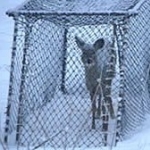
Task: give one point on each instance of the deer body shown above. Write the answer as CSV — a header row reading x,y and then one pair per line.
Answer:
x,y
98,73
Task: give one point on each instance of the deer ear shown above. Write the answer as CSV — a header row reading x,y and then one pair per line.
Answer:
x,y
79,42
99,44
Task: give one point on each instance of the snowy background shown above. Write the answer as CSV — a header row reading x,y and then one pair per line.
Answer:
x,y
140,141
6,36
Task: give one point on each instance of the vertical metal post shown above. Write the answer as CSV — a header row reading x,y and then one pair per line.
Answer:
x,y
10,92
23,78
108,105
121,31
105,119
63,88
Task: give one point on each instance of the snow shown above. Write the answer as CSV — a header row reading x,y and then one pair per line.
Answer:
x,y
6,35
140,141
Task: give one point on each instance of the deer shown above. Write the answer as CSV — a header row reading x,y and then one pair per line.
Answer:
x,y
99,64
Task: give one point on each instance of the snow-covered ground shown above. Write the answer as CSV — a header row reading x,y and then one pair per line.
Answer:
x,y
140,141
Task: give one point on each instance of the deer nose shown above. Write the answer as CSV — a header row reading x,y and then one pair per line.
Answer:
x,y
89,60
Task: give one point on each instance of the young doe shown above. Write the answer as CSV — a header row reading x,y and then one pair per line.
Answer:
x,y
99,62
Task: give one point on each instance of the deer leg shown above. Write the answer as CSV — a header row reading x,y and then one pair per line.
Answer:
x,y
110,108
99,107
93,111
100,98
108,99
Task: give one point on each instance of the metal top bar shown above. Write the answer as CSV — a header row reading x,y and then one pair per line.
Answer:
x,y
115,13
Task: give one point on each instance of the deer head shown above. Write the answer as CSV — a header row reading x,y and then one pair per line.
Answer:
x,y
89,51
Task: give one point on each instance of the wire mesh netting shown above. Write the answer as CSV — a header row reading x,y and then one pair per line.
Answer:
x,y
78,5
137,69
50,100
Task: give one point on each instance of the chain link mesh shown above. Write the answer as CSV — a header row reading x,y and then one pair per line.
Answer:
x,y
78,5
49,103
52,99
136,85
